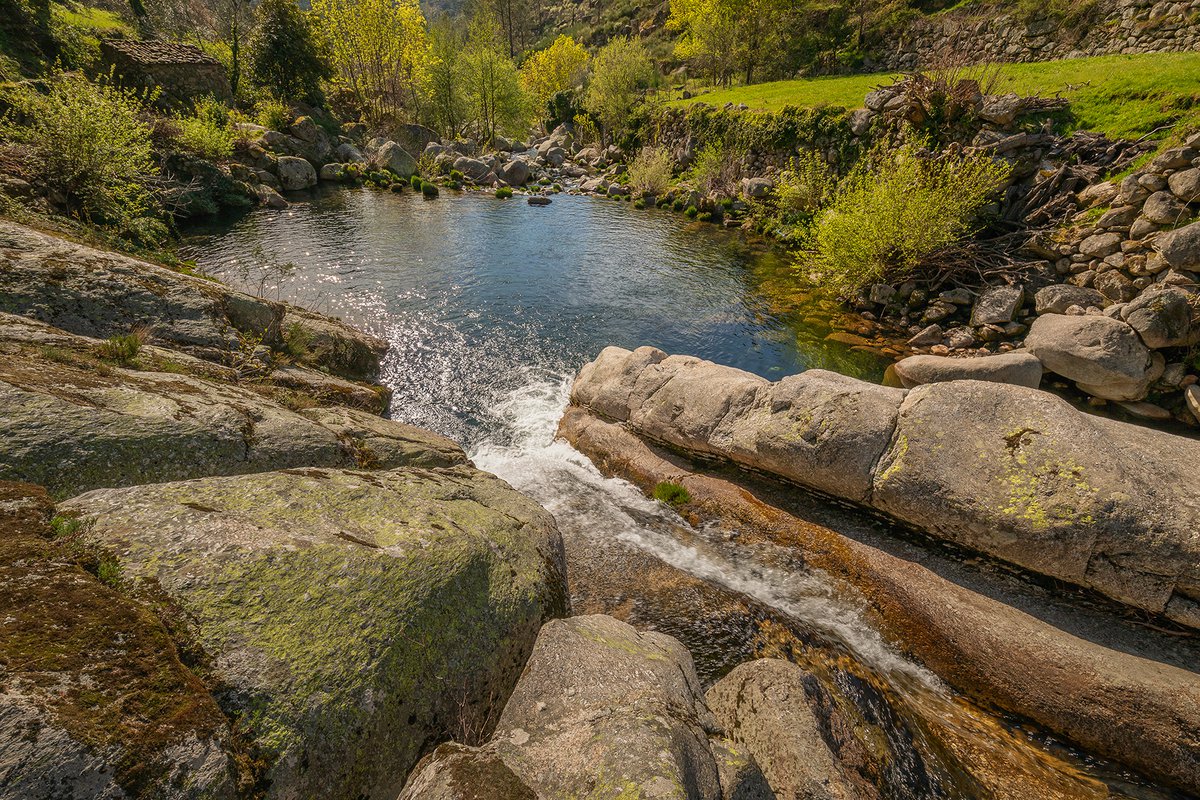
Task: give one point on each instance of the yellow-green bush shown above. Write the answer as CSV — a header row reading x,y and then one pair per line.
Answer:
x,y
207,133
803,187
650,170
895,211
88,142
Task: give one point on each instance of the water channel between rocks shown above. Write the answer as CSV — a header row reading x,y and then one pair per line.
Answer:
x,y
492,306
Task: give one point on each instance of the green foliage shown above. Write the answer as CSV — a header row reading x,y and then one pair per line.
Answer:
x,y
504,193
677,204
895,211
77,31
650,170
429,189
716,168
87,141
415,182
122,349
706,216
297,342
273,114
286,56
621,73
493,85
457,176
207,132
639,204
554,71
672,494
803,187
691,212
64,527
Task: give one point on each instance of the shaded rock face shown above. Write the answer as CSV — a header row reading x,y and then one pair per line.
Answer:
x,y
74,422
1181,247
602,710
97,293
764,708
395,159
94,700
1162,316
1103,355
347,617
1000,469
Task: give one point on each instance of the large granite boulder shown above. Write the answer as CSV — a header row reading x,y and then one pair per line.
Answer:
x,y
817,428
765,710
1056,299
1162,316
1022,476
1103,355
75,420
601,710
345,618
296,174
99,293
1020,368
94,702
395,159
1181,247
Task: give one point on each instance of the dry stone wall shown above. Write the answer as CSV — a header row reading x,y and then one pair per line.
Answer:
x,y
1113,26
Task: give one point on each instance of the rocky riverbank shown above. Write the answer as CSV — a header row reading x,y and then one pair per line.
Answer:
x,y
996,485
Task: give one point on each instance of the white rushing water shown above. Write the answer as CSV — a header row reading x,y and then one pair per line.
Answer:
x,y
522,449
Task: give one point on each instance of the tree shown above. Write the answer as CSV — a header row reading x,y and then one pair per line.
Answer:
x,y
621,73
493,85
285,55
724,36
447,108
559,68
379,50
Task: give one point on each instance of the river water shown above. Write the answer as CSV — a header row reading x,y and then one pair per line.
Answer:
x,y
492,306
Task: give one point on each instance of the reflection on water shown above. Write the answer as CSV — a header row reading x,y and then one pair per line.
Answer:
x,y
468,287
490,307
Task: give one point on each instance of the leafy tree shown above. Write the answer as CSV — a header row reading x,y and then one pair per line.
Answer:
x,y
447,107
621,73
380,52
559,68
493,86
285,56
724,36
88,142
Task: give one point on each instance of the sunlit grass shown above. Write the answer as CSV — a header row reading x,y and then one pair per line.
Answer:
x,y
1120,95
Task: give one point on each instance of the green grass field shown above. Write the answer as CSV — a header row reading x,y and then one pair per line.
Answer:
x,y
1126,96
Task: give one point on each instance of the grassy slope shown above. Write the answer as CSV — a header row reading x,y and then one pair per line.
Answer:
x,y
1118,95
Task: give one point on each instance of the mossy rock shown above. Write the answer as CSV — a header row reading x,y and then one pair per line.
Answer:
x,y
350,617
95,700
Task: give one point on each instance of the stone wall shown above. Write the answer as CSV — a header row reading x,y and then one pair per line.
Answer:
x,y
182,72
1114,26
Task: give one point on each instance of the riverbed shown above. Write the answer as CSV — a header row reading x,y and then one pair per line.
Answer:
x,y
491,307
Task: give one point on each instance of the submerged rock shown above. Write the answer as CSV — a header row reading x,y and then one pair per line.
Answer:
x,y
347,616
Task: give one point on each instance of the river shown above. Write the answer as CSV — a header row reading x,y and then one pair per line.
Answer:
x,y
492,306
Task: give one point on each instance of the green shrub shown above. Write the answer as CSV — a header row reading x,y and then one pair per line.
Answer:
x,y
726,203
429,189
677,204
650,170
286,55
297,342
692,212
716,169
457,176
415,182
556,187
639,204
705,216
672,494
504,192
64,527
803,187
273,114
122,349
87,141
895,211
207,133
